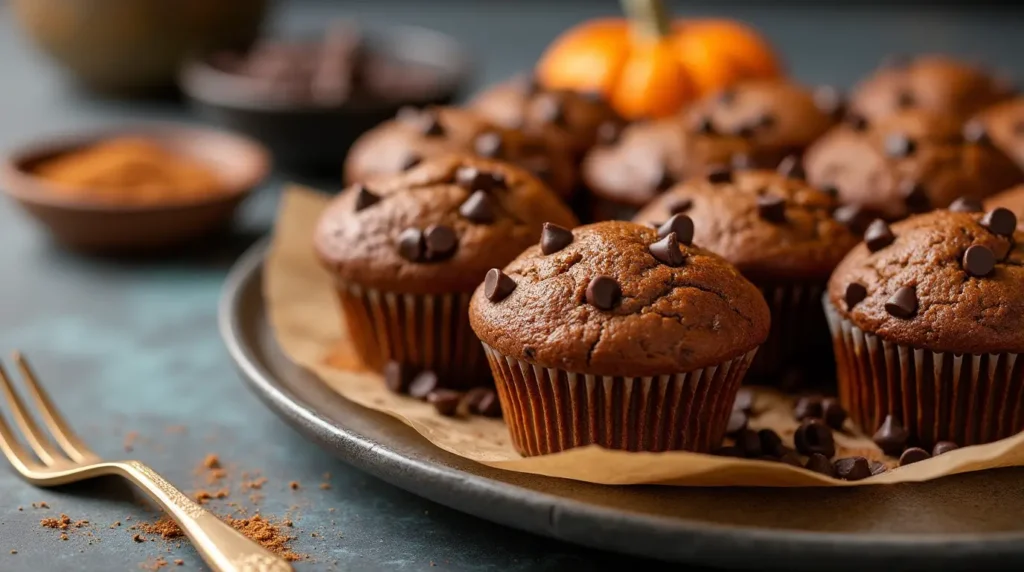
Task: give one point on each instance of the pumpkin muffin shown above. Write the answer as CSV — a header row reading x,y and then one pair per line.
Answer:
x,y
1004,122
907,163
407,251
618,335
753,124
933,83
397,145
927,320
781,235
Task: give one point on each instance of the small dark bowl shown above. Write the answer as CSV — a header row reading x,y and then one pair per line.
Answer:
x,y
103,227
307,138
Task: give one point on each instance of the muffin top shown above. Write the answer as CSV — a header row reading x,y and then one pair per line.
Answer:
x,y
395,146
771,225
754,124
1012,199
1004,122
567,118
948,280
614,298
933,83
908,163
436,228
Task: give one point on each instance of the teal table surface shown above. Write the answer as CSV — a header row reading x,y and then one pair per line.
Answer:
x,y
131,352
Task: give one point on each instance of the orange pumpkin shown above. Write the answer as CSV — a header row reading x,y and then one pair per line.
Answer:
x,y
647,66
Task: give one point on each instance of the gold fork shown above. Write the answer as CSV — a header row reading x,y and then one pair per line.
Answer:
x,y
222,547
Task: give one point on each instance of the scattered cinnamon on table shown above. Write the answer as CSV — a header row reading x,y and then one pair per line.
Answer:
x,y
129,170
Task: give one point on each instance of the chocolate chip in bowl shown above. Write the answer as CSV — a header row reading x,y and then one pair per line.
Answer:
x,y
308,100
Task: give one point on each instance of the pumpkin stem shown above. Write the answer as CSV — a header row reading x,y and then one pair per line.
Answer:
x,y
649,18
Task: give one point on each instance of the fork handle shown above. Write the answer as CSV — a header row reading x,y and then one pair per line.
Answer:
x,y
221,546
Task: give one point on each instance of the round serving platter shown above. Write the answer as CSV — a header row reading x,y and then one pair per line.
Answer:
x,y
968,522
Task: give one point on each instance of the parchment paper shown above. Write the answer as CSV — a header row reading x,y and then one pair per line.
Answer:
x,y
306,320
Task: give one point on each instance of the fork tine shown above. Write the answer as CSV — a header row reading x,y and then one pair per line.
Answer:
x,y
46,452
54,421
13,450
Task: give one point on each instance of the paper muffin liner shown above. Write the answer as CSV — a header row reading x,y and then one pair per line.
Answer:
x,y
549,410
798,324
938,396
428,332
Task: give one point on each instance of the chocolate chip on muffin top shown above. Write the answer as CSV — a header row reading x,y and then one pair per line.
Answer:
x,y
909,162
436,228
948,280
615,301
768,224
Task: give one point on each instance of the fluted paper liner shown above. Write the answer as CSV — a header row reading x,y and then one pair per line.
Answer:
x,y
797,324
303,308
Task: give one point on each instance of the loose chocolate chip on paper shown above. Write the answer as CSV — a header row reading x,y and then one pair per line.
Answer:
x,y
488,144
1000,221
855,294
966,205
877,467
397,376
719,175
554,238
364,197
478,208
813,436
411,161
424,383
944,447
771,209
790,167
878,235
604,293
790,458
902,304
445,401
737,422
899,145
666,251
681,225
729,451
979,261
410,244
750,443
440,241
891,437
853,468
913,455
833,413
771,443
808,407
820,464
498,285
679,205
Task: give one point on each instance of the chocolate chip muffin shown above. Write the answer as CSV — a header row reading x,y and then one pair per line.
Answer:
x,y
618,335
907,163
1012,199
1004,122
934,83
754,124
566,118
398,145
927,318
407,251
779,232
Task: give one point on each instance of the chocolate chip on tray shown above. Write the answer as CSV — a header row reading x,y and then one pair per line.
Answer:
x,y
891,437
807,408
771,443
445,401
424,383
728,451
877,467
750,443
913,455
813,436
790,458
820,464
833,413
397,376
852,468
944,447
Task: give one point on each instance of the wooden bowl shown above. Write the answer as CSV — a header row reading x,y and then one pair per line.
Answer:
x,y
96,226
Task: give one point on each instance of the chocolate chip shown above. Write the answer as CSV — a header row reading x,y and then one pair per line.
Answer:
x,y
857,122
878,235
737,422
365,197
478,208
853,217
550,109
979,261
820,464
833,413
718,175
489,405
771,209
744,400
771,443
915,197
905,99
855,294
411,161
877,468
678,205
681,225
766,121
663,180
397,376
813,436
608,133
704,125
431,124
1000,221
498,285
807,408
445,401
913,455
944,447
730,451
440,241
424,383
666,251
902,304
604,293
828,100
966,205
899,145
750,443
853,468
554,238
410,245
741,162
891,437
790,167
473,179
488,144
790,458
830,190
974,132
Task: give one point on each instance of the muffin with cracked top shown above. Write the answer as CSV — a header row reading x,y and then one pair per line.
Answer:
x,y
618,335
406,252
781,234
754,124
927,318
